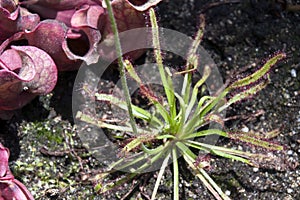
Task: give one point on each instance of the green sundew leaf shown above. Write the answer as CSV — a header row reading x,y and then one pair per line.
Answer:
x,y
186,87
252,139
198,119
88,119
190,125
215,102
221,153
166,80
137,111
206,180
163,112
201,110
204,100
130,160
163,153
243,95
159,176
209,147
193,99
171,95
105,187
259,73
138,141
191,65
214,184
185,150
151,151
192,61
230,156
181,115
120,137
271,134
215,118
135,76
175,175
132,72
197,40
207,132
199,147
165,136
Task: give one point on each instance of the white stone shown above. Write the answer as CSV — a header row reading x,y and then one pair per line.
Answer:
x,y
255,169
245,129
293,73
227,192
289,190
290,152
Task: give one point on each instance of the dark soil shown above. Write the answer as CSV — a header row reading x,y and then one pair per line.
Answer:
x,y
46,154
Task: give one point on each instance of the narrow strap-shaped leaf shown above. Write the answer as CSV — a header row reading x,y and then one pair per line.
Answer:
x,y
88,119
165,136
205,179
259,73
167,84
185,150
193,99
105,187
132,72
190,124
214,184
230,156
159,176
243,95
198,38
192,60
215,118
175,175
137,111
152,151
181,115
144,89
220,149
207,132
130,160
163,112
150,161
252,139
136,142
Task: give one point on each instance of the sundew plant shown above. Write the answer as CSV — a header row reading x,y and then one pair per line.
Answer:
x,y
178,122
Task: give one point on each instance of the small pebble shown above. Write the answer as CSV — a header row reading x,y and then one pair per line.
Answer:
x,y
255,169
289,190
229,22
293,73
256,179
290,152
227,192
245,129
286,95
